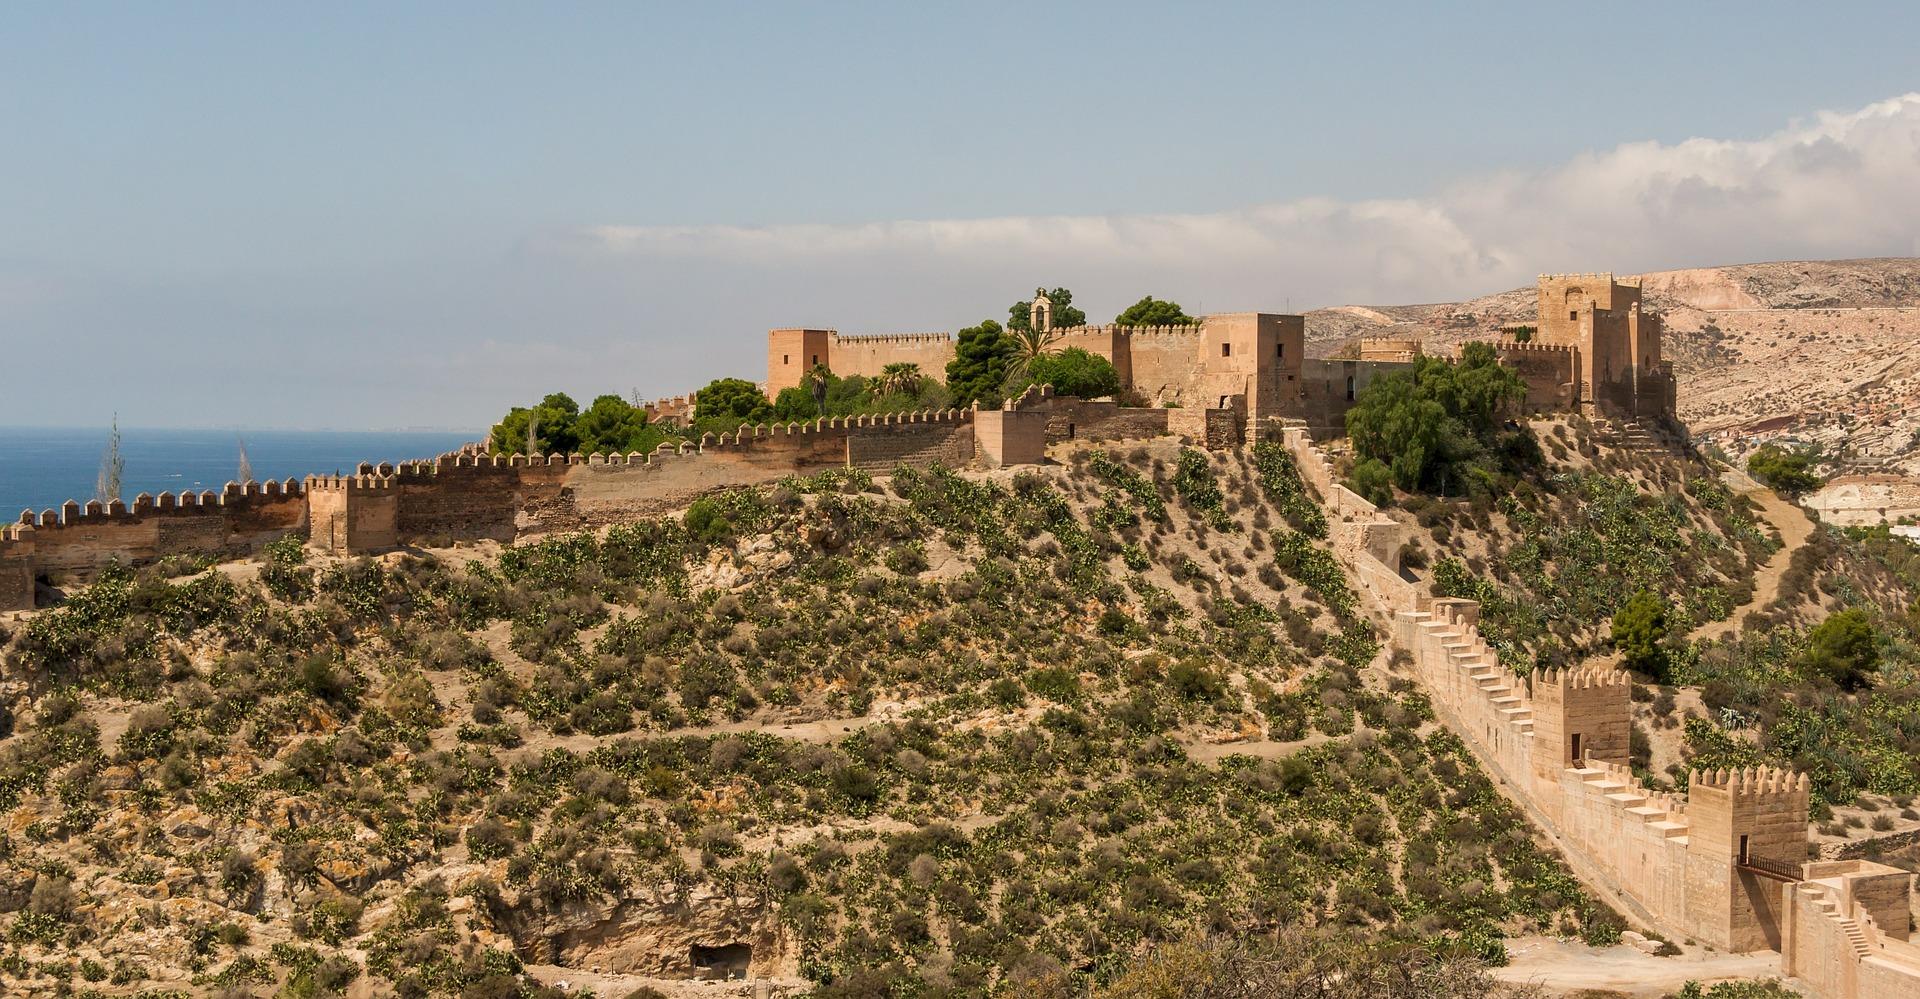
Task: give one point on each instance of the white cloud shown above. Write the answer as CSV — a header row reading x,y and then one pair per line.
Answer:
x,y
1840,185
456,337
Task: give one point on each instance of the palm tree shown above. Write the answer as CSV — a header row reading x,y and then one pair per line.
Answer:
x,y
817,378
1029,344
902,377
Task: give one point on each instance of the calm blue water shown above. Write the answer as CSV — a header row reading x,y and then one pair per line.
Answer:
x,y
44,467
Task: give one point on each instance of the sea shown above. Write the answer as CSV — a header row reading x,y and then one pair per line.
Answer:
x,y
42,467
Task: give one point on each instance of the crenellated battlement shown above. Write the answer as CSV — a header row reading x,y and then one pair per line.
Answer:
x,y
1580,678
365,482
1751,782
1530,347
73,514
1035,395
892,339
1186,331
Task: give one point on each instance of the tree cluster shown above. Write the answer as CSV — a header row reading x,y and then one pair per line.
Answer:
x,y
900,387
557,424
1150,311
1440,427
1019,314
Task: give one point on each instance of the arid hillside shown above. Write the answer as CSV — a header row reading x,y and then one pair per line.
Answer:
x,y
1053,732
1821,350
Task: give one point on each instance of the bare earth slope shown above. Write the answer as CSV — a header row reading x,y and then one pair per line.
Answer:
x,y
1823,350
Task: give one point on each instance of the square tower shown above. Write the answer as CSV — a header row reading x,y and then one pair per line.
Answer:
x,y
16,568
1580,714
1250,361
791,353
353,513
1741,822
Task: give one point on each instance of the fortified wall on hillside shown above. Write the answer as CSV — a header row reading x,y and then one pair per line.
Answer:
x,y
1221,381
1724,862
472,496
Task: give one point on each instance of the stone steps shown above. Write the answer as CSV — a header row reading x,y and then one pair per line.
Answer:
x,y
1669,829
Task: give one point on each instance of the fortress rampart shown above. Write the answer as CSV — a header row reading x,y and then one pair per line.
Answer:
x,y
1723,862
469,497
236,520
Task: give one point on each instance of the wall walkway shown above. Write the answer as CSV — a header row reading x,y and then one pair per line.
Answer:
x,y
1703,865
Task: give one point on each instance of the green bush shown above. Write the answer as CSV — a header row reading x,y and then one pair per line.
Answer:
x,y
1280,478
1373,481
1842,649
1075,372
1436,426
1640,631
1787,471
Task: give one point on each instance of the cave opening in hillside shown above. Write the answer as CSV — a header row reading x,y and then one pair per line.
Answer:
x,y
725,961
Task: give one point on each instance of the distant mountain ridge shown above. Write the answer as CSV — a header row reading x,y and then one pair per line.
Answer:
x,y
1822,351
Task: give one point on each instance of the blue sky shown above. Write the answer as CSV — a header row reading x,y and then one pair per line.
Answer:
x,y
415,215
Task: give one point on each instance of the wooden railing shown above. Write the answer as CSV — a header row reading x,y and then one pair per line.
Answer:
x,y
1776,868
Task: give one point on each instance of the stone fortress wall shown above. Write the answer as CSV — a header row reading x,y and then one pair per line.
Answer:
x,y
1219,381
1724,862
1593,350
462,497
80,538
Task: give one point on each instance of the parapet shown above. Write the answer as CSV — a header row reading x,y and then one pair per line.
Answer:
x,y
1530,347
1035,395
1580,678
893,338
75,514
1188,331
351,483
1751,781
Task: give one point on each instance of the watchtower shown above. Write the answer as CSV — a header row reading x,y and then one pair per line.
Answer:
x,y
1578,715
791,353
353,513
1747,833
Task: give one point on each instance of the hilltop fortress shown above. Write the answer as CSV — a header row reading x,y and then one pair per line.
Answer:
x,y
1724,862
1593,351
1221,381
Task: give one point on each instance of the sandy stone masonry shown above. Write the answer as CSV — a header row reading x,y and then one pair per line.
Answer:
x,y
471,496
1594,350
1724,863
1222,381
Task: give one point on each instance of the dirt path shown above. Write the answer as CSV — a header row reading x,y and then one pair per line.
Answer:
x,y
1569,965
1795,528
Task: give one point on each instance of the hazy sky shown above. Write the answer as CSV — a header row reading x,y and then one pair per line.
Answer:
x,y
381,215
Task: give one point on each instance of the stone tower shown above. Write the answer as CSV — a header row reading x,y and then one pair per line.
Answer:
x,y
1580,714
353,513
793,352
1751,818
1620,370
